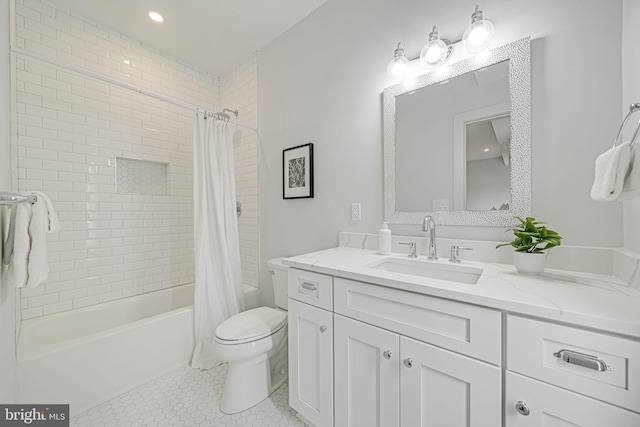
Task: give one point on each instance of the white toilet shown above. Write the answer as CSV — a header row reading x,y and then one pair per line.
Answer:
x,y
254,344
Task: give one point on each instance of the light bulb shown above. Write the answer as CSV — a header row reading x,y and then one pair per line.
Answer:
x,y
156,16
398,66
477,36
435,52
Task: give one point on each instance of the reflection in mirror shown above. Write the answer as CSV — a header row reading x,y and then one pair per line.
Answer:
x,y
432,129
457,143
487,164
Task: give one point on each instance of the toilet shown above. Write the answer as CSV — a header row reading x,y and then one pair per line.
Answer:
x,y
254,344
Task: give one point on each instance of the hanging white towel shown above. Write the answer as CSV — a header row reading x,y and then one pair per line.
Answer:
x,y
611,169
632,183
53,225
17,273
29,265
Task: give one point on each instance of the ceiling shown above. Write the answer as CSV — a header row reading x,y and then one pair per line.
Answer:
x,y
213,35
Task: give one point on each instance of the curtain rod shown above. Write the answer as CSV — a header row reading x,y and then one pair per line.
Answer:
x,y
123,85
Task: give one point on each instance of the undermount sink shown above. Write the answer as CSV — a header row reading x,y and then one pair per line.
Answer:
x,y
429,269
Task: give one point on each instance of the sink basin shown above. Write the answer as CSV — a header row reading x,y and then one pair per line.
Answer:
x,y
430,269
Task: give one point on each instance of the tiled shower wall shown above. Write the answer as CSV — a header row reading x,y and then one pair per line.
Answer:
x,y
70,130
239,90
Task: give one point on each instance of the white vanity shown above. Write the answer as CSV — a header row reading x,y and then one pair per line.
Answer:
x,y
393,346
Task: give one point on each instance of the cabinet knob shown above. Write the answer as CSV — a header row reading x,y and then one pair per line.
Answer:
x,y
387,354
323,328
522,408
408,362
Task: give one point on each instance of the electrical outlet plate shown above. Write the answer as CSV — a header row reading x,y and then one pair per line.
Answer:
x,y
356,212
440,205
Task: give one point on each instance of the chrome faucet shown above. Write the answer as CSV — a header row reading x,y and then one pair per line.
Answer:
x,y
430,225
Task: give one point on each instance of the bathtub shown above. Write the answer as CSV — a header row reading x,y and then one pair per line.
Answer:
x,y
87,356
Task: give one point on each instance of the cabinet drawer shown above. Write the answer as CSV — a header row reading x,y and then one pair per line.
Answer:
x,y
463,328
312,288
548,405
570,357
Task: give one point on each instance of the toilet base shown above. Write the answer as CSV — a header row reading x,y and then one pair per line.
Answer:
x,y
251,381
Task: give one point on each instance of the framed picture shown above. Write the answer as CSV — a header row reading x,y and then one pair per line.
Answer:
x,y
297,172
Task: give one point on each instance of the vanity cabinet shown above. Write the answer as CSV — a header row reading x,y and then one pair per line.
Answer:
x,y
311,346
386,379
365,355
556,372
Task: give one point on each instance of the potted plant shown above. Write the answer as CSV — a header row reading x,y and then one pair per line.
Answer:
x,y
531,241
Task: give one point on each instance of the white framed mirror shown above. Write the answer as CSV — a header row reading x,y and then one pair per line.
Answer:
x,y
457,142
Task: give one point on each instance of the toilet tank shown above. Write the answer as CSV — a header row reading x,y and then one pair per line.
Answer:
x,y
279,277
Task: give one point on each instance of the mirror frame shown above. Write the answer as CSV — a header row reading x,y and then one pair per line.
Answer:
x,y
519,57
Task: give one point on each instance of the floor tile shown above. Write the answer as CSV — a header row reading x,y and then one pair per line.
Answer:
x,y
187,397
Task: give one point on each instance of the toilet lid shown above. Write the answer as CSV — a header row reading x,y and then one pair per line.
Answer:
x,y
251,324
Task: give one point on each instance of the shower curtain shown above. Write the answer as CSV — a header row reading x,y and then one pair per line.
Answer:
x,y
218,291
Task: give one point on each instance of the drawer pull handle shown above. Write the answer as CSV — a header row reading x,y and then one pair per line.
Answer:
x,y
408,362
584,360
308,286
387,354
522,408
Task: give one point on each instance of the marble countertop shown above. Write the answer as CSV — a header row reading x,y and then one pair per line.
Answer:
x,y
588,300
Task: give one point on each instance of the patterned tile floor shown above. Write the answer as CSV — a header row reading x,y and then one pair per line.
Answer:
x,y
183,398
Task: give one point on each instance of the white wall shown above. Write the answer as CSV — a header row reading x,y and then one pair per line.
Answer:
x,y
321,82
7,295
630,94
71,127
239,91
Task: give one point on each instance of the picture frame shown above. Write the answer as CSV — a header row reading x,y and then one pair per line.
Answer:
x,y
297,172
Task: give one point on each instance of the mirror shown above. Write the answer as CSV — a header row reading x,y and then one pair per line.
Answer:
x,y
457,142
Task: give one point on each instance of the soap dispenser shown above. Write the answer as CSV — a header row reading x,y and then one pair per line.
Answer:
x,y
384,239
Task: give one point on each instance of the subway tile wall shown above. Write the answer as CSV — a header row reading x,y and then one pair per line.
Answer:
x,y
70,129
239,90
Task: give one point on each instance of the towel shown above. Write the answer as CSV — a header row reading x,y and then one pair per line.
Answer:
x,y
53,225
611,169
29,264
632,183
19,245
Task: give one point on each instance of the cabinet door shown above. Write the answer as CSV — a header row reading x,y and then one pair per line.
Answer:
x,y
366,375
311,363
531,403
441,388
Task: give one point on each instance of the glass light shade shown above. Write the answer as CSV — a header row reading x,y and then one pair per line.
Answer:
x,y
435,52
477,36
399,65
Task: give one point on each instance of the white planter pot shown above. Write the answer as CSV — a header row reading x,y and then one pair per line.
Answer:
x,y
529,263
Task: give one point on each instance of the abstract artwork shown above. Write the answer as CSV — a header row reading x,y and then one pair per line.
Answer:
x,y
297,172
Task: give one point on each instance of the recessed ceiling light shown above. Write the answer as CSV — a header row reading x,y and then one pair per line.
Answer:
x,y
156,16
485,150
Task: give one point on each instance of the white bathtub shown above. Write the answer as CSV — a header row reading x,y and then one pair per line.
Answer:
x,y
87,356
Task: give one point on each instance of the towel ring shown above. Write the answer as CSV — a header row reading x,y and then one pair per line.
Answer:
x,y
632,109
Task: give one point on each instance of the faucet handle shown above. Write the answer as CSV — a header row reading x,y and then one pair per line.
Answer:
x,y
455,256
412,248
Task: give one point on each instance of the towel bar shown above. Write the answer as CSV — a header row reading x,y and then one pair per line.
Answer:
x,y
632,109
7,198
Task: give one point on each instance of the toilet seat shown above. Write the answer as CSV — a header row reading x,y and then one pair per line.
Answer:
x,y
251,325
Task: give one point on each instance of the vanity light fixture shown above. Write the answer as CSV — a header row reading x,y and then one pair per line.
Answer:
x,y
477,36
155,16
436,52
398,66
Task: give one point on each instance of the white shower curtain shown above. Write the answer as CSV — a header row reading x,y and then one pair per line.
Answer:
x,y
218,278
